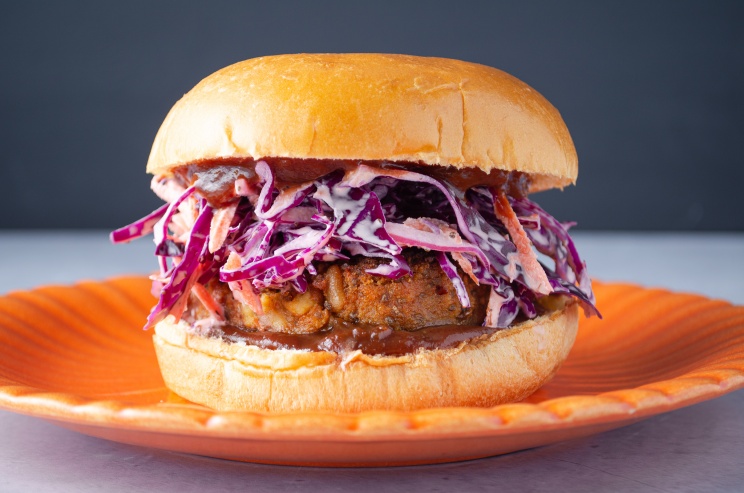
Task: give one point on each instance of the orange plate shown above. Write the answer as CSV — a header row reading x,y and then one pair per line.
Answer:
x,y
77,356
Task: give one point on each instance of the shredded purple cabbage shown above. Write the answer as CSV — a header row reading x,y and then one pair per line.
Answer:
x,y
551,238
138,228
186,272
279,235
451,272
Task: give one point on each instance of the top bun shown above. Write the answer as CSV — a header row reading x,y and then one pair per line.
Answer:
x,y
399,108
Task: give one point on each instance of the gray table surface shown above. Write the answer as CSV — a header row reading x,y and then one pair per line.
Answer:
x,y
699,448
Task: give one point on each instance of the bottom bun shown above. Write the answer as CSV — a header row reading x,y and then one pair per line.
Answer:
x,y
505,366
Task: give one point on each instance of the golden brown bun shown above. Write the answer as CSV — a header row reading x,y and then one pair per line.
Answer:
x,y
369,107
503,367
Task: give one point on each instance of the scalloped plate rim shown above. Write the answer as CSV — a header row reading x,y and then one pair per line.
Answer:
x,y
47,405
46,411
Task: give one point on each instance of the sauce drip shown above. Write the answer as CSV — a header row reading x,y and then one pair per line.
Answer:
x,y
214,179
371,340
217,183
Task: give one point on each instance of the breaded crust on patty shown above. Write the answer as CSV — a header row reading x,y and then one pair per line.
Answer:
x,y
345,291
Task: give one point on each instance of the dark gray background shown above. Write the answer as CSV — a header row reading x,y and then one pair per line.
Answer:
x,y
653,93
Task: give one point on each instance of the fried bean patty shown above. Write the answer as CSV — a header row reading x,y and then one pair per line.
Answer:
x,y
344,291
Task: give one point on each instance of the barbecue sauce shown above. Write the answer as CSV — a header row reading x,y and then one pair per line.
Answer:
x,y
343,337
215,179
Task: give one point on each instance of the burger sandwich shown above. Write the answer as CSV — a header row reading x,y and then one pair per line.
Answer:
x,y
353,232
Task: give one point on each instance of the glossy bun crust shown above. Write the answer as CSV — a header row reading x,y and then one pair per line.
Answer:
x,y
502,367
371,107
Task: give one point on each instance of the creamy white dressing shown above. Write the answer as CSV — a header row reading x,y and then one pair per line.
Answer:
x,y
495,302
348,213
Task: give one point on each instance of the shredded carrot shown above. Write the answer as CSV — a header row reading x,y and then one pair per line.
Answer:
x,y
180,306
220,226
242,290
534,274
206,299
